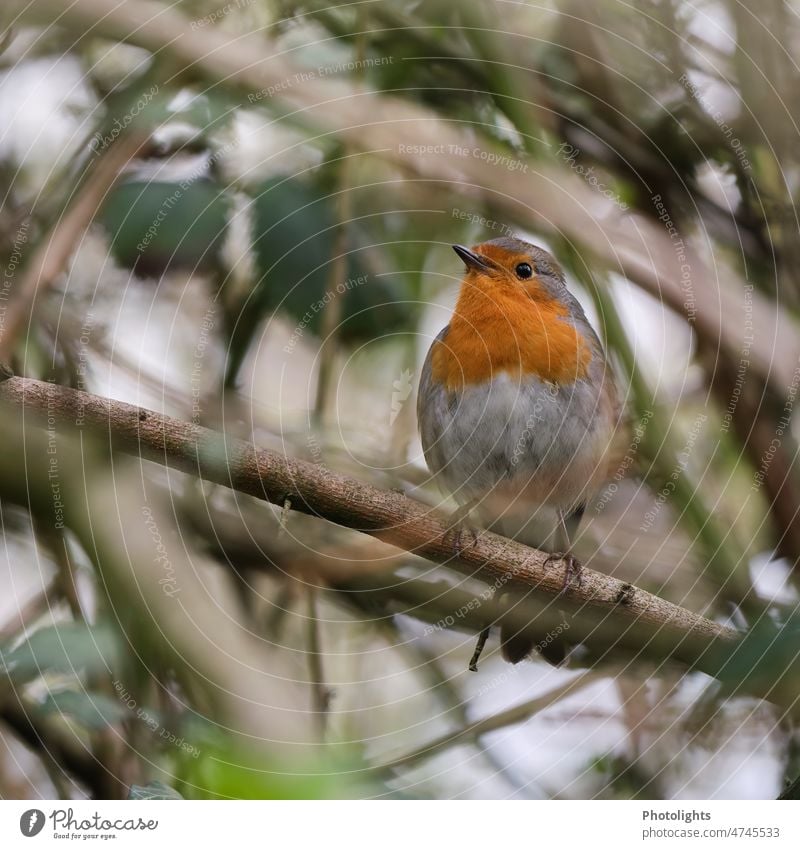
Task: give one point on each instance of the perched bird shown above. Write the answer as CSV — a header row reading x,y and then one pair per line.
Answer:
x,y
518,408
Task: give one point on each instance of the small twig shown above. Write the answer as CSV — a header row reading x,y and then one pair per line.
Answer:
x,y
56,543
24,615
792,790
321,693
482,638
440,685
285,510
468,733
332,314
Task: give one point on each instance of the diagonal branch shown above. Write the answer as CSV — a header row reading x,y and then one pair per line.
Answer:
x,y
52,254
386,515
511,716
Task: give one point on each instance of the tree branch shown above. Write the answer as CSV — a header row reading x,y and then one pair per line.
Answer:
x,y
388,516
53,252
57,747
511,716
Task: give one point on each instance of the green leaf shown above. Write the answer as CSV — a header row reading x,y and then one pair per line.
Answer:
x,y
63,648
153,790
94,711
294,242
156,226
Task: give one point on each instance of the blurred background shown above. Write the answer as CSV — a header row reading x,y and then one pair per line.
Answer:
x,y
240,215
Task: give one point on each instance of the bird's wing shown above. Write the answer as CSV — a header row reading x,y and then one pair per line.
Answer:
x,y
431,407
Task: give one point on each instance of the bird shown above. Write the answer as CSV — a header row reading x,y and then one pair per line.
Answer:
x,y
519,411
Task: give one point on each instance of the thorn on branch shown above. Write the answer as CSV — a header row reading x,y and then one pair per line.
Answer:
x,y
287,506
625,594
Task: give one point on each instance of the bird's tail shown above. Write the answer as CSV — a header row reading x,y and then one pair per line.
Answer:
x,y
517,643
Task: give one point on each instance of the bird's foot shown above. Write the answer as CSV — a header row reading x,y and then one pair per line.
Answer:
x,y
573,573
459,534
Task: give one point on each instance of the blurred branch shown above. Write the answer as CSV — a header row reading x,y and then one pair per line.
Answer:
x,y
792,791
724,557
53,252
632,244
321,693
153,587
24,615
58,748
389,516
470,732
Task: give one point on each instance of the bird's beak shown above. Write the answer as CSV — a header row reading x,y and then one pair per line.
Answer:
x,y
471,259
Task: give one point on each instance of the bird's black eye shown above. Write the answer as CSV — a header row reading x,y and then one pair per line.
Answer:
x,y
524,271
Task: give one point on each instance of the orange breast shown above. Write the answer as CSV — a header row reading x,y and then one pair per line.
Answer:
x,y
496,330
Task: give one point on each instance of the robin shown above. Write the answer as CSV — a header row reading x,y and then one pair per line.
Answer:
x,y
518,409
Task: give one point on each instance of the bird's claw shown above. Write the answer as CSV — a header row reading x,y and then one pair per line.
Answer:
x,y
459,533
573,573
457,530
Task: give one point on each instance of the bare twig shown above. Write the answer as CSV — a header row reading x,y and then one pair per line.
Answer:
x,y
518,713
25,614
321,693
56,543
